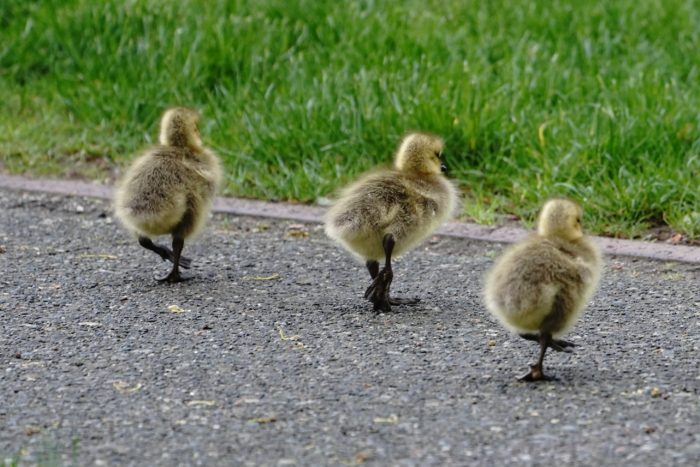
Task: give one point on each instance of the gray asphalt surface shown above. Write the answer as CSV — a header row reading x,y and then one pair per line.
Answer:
x,y
269,355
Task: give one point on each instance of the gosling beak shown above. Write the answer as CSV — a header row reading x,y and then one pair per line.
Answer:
x,y
443,168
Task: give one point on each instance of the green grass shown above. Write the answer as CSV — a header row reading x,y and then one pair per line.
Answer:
x,y
598,101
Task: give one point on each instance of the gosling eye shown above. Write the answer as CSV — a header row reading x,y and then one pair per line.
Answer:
x,y
438,154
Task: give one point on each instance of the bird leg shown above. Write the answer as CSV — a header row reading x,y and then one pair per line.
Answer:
x,y
163,251
373,268
536,372
378,291
559,345
174,275
179,234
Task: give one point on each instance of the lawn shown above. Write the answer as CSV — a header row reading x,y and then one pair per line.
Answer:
x,y
598,101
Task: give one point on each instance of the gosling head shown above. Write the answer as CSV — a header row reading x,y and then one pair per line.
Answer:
x,y
180,127
420,153
560,218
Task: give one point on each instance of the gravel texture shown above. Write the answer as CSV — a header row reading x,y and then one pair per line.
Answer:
x,y
269,355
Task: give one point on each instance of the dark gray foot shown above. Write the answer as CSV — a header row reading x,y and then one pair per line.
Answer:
x,y
403,301
173,277
378,291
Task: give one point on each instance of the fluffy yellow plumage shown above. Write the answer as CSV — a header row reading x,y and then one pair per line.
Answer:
x,y
169,189
539,287
386,212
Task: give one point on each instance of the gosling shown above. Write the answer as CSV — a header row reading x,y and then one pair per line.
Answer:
x,y
387,212
169,189
539,287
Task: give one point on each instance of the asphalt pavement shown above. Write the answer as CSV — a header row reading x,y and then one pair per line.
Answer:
x,y
270,356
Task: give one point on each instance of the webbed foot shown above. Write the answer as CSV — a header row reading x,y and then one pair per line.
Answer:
x,y
403,301
378,291
173,277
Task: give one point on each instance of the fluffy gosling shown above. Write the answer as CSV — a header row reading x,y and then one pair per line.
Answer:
x,y
386,212
539,287
169,189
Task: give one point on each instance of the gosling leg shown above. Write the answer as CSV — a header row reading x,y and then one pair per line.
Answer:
x,y
378,291
388,249
174,275
164,252
179,234
536,372
373,268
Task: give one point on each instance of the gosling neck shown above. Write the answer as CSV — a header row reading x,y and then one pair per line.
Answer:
x,y
181,140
